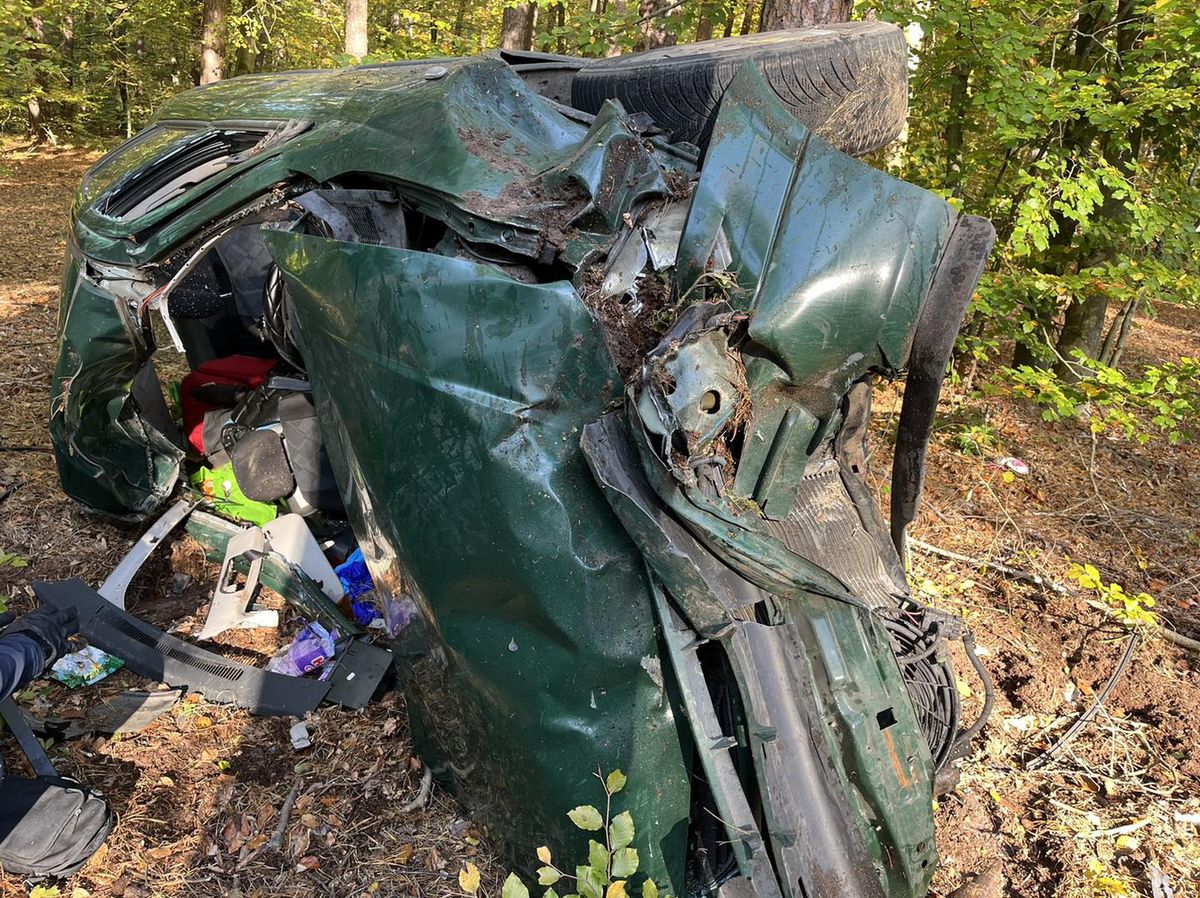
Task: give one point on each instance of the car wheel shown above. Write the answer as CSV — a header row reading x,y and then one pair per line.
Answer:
x,y
847,82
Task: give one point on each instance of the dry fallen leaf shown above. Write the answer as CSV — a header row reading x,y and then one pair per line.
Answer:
x,y
404,854
468,879
433,860
308,862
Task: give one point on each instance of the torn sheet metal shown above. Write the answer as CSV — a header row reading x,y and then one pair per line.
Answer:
x,y
475,149
736,417
832,257
460,395
454,402
110,456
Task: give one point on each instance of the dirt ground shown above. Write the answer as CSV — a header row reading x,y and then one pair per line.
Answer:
x,y
199,792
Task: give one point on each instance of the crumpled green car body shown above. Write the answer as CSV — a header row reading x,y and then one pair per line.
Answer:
x,y
597,410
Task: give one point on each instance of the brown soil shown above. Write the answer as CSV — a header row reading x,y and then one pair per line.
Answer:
x,y
199,791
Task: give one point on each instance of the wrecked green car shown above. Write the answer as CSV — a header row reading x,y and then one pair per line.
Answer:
x,y
588,349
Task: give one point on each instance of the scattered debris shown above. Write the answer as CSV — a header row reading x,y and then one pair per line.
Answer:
x,y
84,667
309,649
130,711
300,736
233,599
354,576
1010,463
114,586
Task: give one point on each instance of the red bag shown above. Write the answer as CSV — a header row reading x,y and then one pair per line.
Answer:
x,y
217,385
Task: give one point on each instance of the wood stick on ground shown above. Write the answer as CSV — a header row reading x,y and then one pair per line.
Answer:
x,y
285,815
423,795
1010,572
1184,642
1177,639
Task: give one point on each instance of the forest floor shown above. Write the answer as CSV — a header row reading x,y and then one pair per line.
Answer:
x,y
199,791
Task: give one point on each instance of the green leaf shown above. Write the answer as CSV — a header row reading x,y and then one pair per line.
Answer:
x,y
548,876
591,884
586,817
615,782
549,893
624,863
649,889
598,858
620,832
514,888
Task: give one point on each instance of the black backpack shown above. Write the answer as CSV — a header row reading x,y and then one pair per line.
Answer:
x,y
50,826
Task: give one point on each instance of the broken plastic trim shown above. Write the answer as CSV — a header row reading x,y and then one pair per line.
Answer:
x,y
151,653
114,586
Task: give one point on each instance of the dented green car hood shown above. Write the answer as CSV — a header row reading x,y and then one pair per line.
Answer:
x,y
573,546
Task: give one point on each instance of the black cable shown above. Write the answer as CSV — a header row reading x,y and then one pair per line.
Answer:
x,y
1074,729
963,743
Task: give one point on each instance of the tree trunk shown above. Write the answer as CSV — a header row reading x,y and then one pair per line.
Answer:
x,y
558,19
704,26
68,46
959,75
212,40
460,18
1083,325
516,28
654,34
356,28
779,14
1118,333
730,17
747,19
33,106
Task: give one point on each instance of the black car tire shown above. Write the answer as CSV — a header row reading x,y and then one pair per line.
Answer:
x,y
847,82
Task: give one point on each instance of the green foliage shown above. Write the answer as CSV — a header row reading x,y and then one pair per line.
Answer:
x,y
1131,610
1071,124
610,864
586,817
1164,400
15,561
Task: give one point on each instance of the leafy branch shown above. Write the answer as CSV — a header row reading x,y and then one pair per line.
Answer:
x,y
610,864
